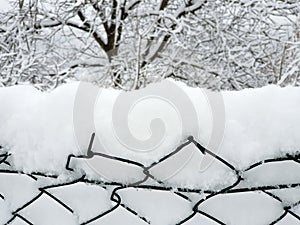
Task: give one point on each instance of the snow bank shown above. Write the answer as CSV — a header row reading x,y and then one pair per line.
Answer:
x,y
36,127
40,130
261,123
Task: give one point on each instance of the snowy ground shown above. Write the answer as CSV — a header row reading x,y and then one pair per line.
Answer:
x,y
146,163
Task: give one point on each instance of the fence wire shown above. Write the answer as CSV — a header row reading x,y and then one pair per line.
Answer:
x,y
181,192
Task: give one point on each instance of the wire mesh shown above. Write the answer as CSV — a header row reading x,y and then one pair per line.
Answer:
x,y
181,192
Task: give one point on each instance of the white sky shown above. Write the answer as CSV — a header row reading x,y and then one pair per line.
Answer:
x,y
4,5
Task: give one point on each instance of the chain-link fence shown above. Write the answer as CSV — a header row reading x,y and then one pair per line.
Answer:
x,y
41,198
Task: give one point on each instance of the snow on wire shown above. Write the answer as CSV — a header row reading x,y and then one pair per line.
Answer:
x,y
184,193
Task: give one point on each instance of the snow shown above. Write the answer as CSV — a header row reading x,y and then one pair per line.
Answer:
x,y
156,206
4,211
5,6
288,196
109,170
72,195
267,174
17,194
261,123
290,220
39,125
120,214
37,212
199,219
183,170
250,206
41,130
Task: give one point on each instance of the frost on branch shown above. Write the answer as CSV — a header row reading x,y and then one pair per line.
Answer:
x,y
128,44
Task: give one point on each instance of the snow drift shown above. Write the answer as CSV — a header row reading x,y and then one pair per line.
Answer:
x,y
149,138
39,130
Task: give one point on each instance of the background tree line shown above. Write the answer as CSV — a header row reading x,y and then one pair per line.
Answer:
x,y
218,44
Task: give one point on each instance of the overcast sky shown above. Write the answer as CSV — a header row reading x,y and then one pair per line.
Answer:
x,y
4,5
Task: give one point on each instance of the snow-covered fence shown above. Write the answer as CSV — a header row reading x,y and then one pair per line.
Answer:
x,y
41,198
248,174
